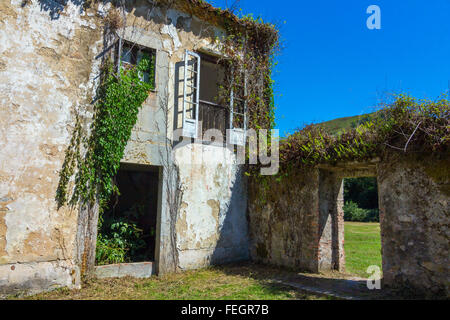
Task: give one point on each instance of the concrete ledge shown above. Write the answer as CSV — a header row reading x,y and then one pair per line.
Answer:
x,y
136,270
35,277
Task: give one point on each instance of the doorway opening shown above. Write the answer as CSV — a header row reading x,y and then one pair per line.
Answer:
x,y
362,226
127,227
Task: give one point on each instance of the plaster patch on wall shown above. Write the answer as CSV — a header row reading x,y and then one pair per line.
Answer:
x,y
215,206
170,28
53,74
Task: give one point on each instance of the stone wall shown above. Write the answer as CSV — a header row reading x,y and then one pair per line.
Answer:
x,y
298,222
415,220
284,220
50,57
48,70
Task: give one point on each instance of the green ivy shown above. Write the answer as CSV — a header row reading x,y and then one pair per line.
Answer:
x,y
120,96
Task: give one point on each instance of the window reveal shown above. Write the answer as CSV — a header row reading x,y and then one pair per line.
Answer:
x,y
131,54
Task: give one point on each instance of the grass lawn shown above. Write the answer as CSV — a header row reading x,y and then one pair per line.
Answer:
x,y
243,282
362,247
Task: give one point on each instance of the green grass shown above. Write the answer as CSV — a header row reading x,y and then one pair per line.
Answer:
x,y
239,282
362,247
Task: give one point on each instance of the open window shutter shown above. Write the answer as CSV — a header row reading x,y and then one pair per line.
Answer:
x,y
119,55
238,110
191,94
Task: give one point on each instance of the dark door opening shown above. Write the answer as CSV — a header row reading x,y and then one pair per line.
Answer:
x,y
127,231
362,225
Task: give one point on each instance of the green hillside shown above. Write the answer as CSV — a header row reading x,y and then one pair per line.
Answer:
x,y
336,125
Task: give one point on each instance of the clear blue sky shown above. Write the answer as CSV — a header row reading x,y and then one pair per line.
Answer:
x,y
333,66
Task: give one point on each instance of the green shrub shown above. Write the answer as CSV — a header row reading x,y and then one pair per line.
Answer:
x,y
118,241
363,191
356,214
108,252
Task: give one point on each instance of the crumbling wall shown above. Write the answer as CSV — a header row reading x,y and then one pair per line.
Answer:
x,y
212,224
415,218
284,220
298,222
50,56
48,71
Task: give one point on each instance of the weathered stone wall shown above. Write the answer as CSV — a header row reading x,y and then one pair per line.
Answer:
x,y
212,224
284,220
48,69
50,56
415,220
331,221
298,222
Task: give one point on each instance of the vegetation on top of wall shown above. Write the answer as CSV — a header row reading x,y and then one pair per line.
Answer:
x,y
407,126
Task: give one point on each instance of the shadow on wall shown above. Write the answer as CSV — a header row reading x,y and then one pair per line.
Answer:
x,y
55,7
233,242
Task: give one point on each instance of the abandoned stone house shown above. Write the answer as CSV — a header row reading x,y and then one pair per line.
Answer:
x,y
57,48
50,58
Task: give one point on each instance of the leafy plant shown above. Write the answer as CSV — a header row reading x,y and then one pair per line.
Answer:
x,y
356,214
108,252
119,241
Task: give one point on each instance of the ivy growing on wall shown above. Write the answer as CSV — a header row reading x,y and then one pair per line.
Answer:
x,y
119,98
250,50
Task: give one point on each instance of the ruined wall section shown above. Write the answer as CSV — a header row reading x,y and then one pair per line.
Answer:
x,y
415,219
298,222
212,224
48,70
331,221
50,60
284,220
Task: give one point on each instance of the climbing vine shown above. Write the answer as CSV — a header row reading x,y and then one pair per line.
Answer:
x,y
249,53
119,98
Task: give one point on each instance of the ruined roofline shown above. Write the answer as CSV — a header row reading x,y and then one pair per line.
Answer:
x,y
220,17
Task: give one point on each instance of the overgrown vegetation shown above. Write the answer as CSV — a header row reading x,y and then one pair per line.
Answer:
x,y
120,96
250,48
93,157
119,240
406,125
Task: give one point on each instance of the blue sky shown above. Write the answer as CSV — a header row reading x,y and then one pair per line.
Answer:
x,y
333,66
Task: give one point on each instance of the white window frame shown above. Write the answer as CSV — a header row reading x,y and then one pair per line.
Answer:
x,y
190,126
238,136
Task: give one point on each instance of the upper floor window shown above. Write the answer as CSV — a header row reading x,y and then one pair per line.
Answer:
x,y
130,56
202,107
214,113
